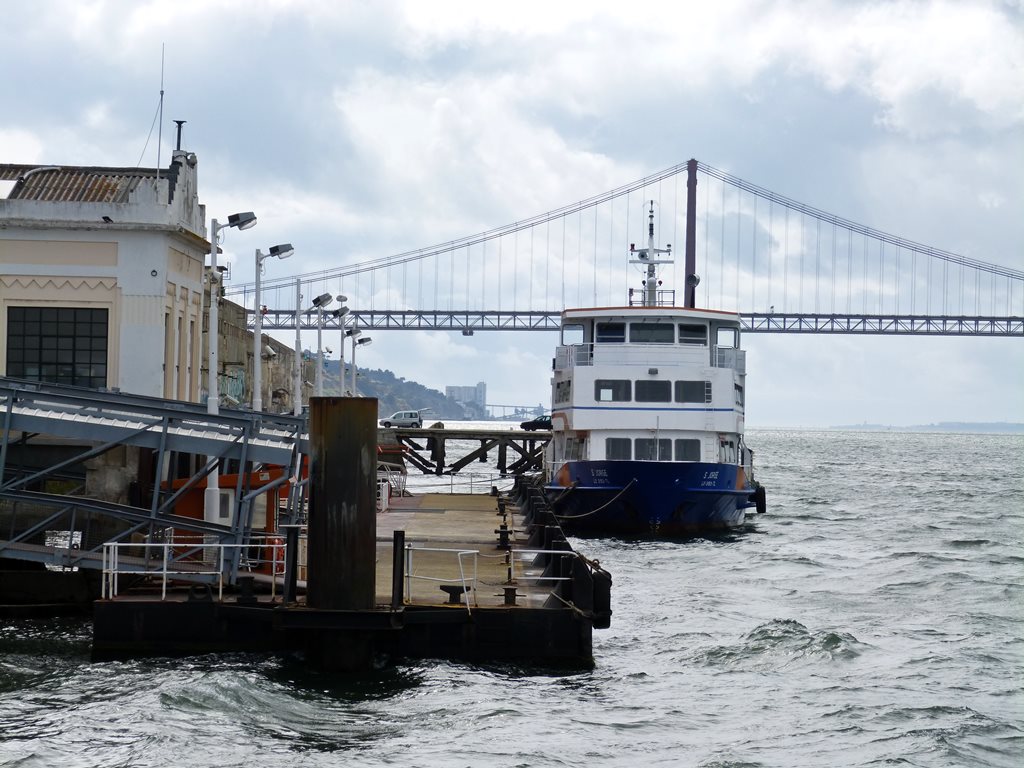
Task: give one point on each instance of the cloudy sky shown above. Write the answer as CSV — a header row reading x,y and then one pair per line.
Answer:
x,y
358,130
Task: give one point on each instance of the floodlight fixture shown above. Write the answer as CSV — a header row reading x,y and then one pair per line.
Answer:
x,y
322,300
243,220
282,251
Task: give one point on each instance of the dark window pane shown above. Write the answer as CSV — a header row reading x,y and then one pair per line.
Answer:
x,y
652,333
608,333
693,392
15,328
15,314
66,315
612,390
693,334
654,391
687,450
618,448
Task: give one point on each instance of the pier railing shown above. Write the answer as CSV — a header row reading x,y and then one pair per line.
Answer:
x,y
189,559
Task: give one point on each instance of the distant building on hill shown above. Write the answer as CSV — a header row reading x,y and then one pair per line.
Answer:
x,y
472,398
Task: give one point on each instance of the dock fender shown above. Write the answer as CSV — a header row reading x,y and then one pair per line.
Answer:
x,y
759,499
602,598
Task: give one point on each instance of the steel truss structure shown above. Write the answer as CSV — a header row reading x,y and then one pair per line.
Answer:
x,y
84,424
471,321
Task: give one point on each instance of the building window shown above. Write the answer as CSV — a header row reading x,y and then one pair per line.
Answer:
x,y
687,450
60,345
649,449
652,333
611,333
653,391
693,392
618,448
612,390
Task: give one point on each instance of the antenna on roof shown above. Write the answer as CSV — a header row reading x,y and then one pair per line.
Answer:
x,y
160,128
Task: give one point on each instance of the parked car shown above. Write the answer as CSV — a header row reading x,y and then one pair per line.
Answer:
x,y
403,419
541,422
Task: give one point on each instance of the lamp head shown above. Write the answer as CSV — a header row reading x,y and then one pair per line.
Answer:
x,y
341,298
244,220
323,300
340,312
353,332
364,342
282,251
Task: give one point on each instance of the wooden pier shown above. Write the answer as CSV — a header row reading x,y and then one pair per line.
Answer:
x,y
428,449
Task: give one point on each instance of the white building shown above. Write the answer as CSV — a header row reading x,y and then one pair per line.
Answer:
x,y
101,276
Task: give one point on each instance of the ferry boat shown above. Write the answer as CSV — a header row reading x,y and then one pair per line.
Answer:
x,y
647,415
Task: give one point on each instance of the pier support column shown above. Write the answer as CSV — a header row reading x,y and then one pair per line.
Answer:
x,y
342,522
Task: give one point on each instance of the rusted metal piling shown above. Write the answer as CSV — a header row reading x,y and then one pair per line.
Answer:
x,y
342,523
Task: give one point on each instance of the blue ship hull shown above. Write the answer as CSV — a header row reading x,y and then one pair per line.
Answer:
x,y
649,497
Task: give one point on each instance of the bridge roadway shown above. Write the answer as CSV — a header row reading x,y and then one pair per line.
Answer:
x,y
469,322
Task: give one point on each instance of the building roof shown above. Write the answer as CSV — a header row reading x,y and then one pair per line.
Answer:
x,y
68,183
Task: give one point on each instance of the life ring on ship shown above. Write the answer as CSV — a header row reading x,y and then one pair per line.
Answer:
x,y
277,554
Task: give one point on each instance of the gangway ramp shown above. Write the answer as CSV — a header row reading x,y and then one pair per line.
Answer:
x,y
50,432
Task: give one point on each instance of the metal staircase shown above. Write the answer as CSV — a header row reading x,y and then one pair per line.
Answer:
x,y
51,433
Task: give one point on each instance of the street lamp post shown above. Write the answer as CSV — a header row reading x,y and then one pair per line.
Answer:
x,y
297,368
357,343
321,301
341,313
211,499
282,251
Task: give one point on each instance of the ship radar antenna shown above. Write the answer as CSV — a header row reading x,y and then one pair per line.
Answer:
x,y
650,257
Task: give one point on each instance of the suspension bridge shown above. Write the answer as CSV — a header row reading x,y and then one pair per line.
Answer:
x,y
784,266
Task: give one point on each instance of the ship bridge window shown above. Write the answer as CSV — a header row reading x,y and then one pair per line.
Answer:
x,y
688,450
611,333
612,390
693,392
728,337
653,391
618,448
652,333
572,334
650,449
693,334
739,394
563,391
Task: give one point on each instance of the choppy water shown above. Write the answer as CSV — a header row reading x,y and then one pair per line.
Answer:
x,y
875,616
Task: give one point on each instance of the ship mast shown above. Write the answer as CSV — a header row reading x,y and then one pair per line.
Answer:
x,y
647,257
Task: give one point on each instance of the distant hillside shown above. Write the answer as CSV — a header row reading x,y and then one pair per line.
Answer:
x,y
395,393
994,427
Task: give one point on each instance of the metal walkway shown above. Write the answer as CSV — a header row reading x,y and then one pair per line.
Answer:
x,y
50,432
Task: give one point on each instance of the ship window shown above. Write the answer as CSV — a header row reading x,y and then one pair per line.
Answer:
x,y
739,394
688,450
572,334
563,391
727,338
61,345
654,391
618,448
649,449
693,334
693,392
651,333
611,333
612,390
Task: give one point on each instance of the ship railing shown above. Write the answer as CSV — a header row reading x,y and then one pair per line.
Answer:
x,y
188,558
633,353
467,581
729,357
663,298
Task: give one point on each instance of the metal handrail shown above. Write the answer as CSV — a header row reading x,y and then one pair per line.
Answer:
x,y
112,567
459,553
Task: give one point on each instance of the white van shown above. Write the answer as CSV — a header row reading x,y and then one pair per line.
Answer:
x,y
403,419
